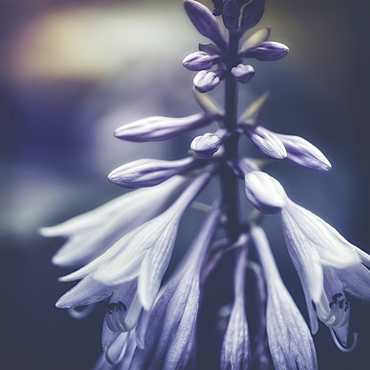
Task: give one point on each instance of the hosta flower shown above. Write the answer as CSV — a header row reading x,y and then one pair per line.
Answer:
x,y
145,252
291,344
257,47
171,324
159,128
235,351
205,81
92,233
278,146
327,264
199,61
243,73
149,172
205,22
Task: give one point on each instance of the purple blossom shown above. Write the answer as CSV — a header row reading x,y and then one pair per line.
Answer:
x,y
235,351
327,264
92,233
159,128
149,172
252,14
207,145
267,142
267,51
243,73
264,192
205,22
143,253
291,344
199,61
257,47
205,81
171,324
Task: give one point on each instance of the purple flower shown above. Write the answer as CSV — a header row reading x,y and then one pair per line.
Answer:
x,y
302,153
278,146
145,252
252,14
243,73
230,14
199,61
170,326
159,128
205,22
205,81
327,264
267,142
207,145
257,47
264,192
92,233
291,344
235,351
149,172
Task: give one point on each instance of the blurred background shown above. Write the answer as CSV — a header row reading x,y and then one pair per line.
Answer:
x,y
73,71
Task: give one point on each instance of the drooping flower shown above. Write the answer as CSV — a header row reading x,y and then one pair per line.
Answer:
x,y
291,344
92,233
235,351
327,264
145,252
171,324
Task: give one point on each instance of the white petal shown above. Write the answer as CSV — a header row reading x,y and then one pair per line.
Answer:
x,y
304,256
332,248
155,265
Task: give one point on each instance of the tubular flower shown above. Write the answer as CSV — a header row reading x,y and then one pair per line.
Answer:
x,y
171,324
235,351
92,233
143,253
290,341
155,318
327,264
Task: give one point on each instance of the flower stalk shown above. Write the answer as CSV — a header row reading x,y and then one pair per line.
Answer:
x,y
126,246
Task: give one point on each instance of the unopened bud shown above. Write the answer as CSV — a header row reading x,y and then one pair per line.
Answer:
x,y
205,81
264,192
243,73
199,61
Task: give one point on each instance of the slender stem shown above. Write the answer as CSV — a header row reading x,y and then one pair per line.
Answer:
x,y
229,182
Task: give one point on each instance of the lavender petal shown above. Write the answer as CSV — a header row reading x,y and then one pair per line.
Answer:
x,y
205,22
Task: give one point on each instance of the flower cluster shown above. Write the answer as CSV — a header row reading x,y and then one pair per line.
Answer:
x,y
126,245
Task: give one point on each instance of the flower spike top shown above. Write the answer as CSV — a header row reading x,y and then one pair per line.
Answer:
x,y
154,319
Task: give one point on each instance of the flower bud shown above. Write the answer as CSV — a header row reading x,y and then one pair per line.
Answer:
x,y
252,14
206,80
304,154
148,172
267,51
264,192
255,40
243,73
230,14
159,128
267,142
205,22
199,61
206,145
